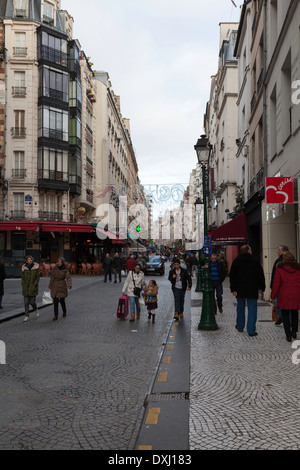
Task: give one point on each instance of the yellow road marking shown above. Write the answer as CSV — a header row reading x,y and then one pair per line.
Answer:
x,y
172,338
167,360
162,377
153,415
145,448
170,347
174,330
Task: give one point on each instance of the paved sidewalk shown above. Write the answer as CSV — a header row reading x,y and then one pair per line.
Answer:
x,y
244,391
13,303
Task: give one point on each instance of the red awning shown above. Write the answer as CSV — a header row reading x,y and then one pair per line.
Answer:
x,y
17,226
233,232
65,227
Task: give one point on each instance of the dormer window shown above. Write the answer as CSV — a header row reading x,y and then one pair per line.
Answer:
x,y
21,8
48,13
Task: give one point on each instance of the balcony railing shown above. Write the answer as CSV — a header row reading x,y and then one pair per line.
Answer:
x,y
18,132
51,216
18,214
19,91
19,173
48,20
21,13
260,179
20,51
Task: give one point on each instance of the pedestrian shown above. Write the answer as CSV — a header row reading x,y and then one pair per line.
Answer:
x,y
117,266
286,286
135,279
280,250
217,277
59,284
150,296
130,263
2,278
247,280
107,265
30,278
181,281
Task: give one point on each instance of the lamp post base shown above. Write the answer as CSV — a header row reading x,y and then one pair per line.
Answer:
x,y
208,318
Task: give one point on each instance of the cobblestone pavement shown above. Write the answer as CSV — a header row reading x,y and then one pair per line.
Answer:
x,y
244,390
79,382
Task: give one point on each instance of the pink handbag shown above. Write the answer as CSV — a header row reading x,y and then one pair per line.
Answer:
x,y
123,307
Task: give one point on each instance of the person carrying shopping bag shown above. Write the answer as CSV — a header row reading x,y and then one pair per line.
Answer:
x,y
30,285
59,284
133,286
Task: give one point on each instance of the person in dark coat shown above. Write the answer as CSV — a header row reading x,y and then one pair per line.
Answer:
x,y
117,267
280,250
286,287
181,282
59,284
107,266
217,277
247,280
30,285
2,277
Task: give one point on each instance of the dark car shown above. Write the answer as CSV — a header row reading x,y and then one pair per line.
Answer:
x,y
155,265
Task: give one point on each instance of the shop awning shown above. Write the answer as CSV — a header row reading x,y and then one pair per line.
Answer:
x,y
18,226
233,232
64,227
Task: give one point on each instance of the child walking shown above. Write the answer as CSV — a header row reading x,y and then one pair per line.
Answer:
x,y
150,295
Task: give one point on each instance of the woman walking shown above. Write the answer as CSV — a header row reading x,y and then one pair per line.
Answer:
x,y
286,285
59,284
30,285
134,281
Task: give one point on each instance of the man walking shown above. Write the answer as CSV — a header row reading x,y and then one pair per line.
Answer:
x,y
247,280
117,266
217,277
280,250
181,282
107,265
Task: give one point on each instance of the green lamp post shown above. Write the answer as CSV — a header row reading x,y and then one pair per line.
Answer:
x,y
208,318
199,286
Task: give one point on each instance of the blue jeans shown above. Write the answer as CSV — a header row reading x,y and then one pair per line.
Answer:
x,y
252,315
179,296
134,304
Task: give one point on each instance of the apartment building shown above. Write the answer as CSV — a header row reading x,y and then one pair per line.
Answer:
x,y
47,137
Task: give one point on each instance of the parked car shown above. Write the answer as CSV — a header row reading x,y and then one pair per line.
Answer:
x,y
155,265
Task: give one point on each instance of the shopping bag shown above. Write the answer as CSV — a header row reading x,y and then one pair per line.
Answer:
x,y
47,299
275,316
123,307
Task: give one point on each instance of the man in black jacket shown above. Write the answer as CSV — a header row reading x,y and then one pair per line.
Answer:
x,y
247,280
181,282
217,276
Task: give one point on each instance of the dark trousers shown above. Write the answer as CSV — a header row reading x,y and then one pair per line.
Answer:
x,y
29,301
286,321
179,296
117,272
217,288
62,302
107,272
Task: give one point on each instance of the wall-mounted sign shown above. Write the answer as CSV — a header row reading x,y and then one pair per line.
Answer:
x,y
81,210
280,190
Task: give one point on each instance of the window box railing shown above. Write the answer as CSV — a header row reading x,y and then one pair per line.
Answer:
x,y
260,179
21,13
20,51
18,214
18,132
19,173
51,216
48,20
19,90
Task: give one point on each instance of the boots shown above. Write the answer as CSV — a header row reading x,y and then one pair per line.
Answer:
x,y
132,317
176,316
153,317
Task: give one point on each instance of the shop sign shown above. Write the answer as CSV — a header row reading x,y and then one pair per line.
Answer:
x,y
280,190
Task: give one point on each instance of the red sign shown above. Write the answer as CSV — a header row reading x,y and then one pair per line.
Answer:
x,y
280,190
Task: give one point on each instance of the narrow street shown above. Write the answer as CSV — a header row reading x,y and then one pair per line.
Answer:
x,y
81,382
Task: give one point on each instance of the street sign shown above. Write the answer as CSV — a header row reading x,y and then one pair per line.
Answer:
x,y
280,190
207,247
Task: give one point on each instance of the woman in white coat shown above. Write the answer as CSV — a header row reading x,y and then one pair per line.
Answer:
x,y
134,279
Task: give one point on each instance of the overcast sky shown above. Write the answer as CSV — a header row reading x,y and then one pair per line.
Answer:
x,y
160,55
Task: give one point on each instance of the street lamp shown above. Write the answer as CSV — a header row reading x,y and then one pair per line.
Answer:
x,y
199,286
208,319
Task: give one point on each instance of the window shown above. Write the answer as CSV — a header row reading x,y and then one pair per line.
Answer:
x,y
53,49
19,130
75,131
20,50
19,88
20,8
53,164
75,94
54,84
19,170
19,205
53,123
48,13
